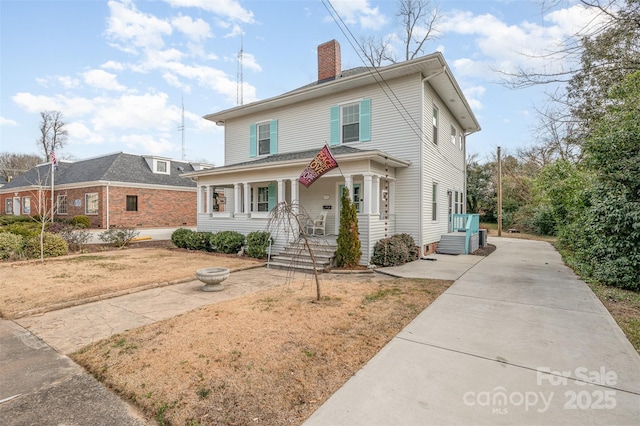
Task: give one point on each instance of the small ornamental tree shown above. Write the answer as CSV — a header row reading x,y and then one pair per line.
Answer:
x,y
348,253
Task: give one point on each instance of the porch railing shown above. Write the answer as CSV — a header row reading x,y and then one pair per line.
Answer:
x,y
469,223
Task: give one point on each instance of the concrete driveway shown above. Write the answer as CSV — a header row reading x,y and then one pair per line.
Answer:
x,y
517,339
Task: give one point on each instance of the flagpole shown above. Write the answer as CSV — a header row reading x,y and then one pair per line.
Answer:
x,y
52,181
338,164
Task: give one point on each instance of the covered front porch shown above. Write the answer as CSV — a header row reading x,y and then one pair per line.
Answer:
x,y
241,197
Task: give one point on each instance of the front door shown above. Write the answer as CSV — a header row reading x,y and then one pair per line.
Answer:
x,y
16,206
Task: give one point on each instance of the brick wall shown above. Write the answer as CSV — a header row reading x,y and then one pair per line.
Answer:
x,y
156,208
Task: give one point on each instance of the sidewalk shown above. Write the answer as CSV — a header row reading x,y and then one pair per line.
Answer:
x,y
516,340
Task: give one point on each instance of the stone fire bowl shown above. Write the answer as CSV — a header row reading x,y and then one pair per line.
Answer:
x,y
212,277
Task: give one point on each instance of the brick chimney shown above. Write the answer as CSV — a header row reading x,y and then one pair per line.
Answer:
x,y
329,61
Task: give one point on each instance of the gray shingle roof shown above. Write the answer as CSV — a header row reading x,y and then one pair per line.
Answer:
x,y
298,155
119,167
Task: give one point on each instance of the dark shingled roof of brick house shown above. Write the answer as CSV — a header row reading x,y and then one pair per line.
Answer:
x,y
119,167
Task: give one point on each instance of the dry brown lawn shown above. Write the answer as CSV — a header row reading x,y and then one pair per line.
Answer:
x,y
271,357
30,286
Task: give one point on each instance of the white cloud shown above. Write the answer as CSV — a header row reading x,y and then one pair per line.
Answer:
x,y
249,62
473,96
128,27
64,80
359,12
148,144
79,134
102,80
525,45
197,30
7,122
230,9
113,65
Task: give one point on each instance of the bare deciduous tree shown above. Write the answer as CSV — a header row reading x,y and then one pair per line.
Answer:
x,y
13,165
419,20
52,132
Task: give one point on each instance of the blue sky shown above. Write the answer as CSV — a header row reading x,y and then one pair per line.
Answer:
x,y
120,70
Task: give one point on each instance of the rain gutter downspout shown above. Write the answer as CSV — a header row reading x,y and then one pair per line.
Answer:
x,y
108,204
422,165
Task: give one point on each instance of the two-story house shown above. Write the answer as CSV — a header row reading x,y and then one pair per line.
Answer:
x,y
397,132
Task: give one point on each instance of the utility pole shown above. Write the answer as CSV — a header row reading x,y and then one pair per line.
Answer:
x,y
499,194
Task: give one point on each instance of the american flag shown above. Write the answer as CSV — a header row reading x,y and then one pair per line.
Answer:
x,y
54,161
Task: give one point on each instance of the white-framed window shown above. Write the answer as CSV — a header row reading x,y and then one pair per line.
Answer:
x,y
459,202
8,206
61,203
436,113
263,199
264,138
461,141
161,166
454,135
91,203
350,124
26,205
434,201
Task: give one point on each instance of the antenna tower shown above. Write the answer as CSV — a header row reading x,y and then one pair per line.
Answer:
x,y
181,129
240,76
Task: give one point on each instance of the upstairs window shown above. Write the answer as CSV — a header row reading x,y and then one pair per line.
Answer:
x,y
350,122
454,134
436,112
161,166
263,138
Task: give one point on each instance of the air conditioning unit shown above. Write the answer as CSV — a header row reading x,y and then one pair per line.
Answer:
x,y
482,237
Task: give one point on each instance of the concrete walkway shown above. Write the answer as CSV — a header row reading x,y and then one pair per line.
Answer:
x,y
518,339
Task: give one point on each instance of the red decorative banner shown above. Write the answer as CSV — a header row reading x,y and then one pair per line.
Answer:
x,y
321,164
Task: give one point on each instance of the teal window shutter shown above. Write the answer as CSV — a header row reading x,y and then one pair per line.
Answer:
x,y
273,196
273,143
365,120
253,141
335,126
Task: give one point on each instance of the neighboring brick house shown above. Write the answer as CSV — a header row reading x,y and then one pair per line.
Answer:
x,y
113,190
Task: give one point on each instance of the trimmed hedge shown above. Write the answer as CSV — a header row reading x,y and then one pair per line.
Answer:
x,y
11,246
258,244
81,221
395,250
229,242
180,237
53,245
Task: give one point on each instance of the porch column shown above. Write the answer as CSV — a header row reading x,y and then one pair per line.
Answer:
x,y
237,196
210,190
280,191
375,194
367,194
247,198
200,191
295,195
